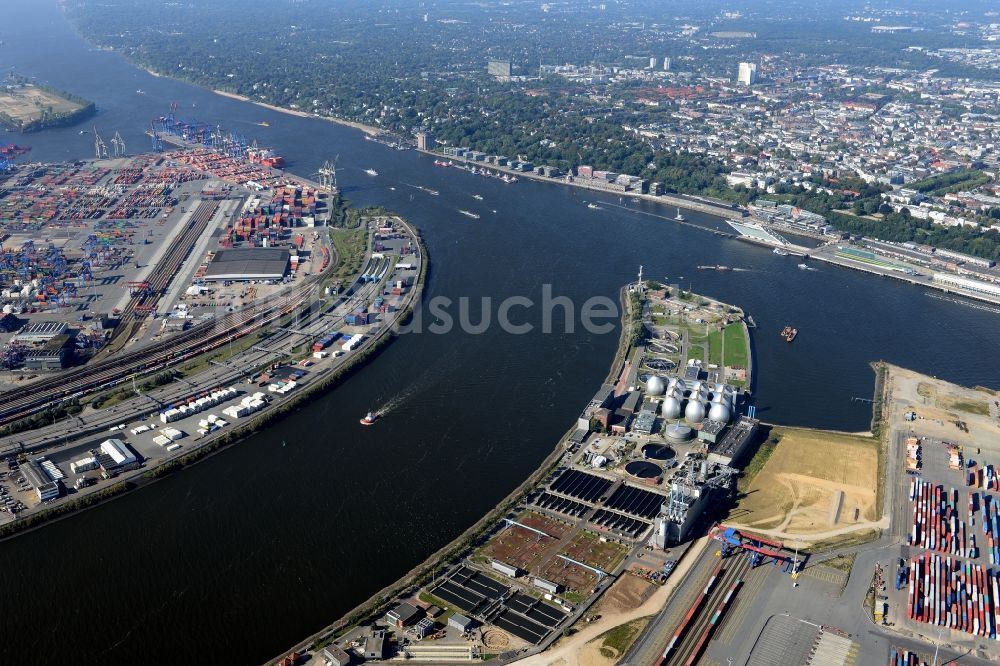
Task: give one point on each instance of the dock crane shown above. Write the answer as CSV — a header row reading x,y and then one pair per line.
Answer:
x,y
100,148
118,145
328,175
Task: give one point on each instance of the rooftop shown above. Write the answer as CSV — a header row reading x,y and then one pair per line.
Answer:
x,y
251,263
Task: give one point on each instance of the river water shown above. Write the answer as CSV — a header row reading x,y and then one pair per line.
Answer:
x,y
250,551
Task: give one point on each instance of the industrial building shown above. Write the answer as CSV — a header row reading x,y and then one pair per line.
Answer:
x,y
52,356
694,486
248,263
505,569
732,447
39,333
46,487
460,622
424,627
334,656
115,457
402,615
375,645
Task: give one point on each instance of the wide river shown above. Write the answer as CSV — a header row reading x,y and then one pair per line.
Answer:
x,y
243,555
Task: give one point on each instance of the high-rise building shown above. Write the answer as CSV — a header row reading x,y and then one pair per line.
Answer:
x,y
425,140
747,74
499,68
666,64
652,63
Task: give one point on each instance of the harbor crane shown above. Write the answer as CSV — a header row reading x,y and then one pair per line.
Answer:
x,y
100,148
118,145
328,175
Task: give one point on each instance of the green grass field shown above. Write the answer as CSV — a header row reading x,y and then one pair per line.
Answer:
x,y
715,348
737,354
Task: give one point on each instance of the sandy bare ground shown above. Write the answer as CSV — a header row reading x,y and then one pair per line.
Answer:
x,y
938,404
577,650
815,485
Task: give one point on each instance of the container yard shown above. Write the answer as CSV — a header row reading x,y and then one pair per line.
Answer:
x,y
104,247
947,592
936,524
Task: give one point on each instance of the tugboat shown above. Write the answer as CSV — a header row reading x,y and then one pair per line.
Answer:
x,y
789,333
371,172
370,418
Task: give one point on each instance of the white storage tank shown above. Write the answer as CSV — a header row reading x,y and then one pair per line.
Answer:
x,y
671,408
719,412
694,412
655,386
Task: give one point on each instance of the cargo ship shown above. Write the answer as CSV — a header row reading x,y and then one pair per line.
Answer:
x,y
468,213
370,418
789,333
265,157
12,150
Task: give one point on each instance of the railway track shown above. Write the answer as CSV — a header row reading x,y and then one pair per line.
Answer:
x,y
688,649
19,403
131,316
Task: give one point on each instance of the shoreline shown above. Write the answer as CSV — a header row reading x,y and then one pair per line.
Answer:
x,y
367,129
680,201
725,214
128,483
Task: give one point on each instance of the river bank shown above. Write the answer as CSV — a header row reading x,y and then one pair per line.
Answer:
x,y
367,129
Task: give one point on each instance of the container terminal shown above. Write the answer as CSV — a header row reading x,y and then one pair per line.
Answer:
x,y
123,251
153,304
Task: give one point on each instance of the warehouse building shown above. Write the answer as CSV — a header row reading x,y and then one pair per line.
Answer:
x,y
49,357
115,457
249,263
40,333
44,486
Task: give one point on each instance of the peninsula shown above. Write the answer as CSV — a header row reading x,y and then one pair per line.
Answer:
x,y
26,106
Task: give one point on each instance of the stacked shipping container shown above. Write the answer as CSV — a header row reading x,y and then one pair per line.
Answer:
x,y
935,519
948,593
